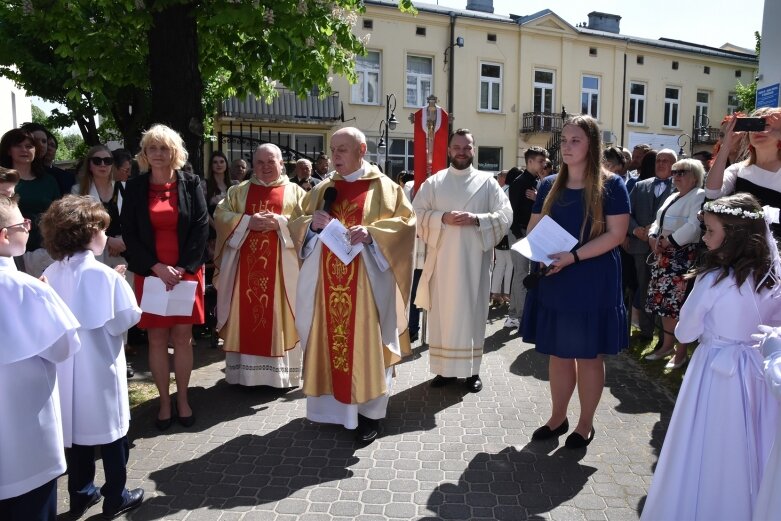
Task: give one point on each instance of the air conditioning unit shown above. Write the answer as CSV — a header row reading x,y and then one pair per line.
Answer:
x,y
607,136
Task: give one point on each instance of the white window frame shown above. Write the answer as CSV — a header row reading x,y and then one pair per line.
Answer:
x,y
672,103
360,90
420,79
639,101
732,96
591,94
544,87
490,82
701,108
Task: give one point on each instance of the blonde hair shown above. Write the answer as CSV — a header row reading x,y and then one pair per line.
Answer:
x,y
167,136
694,166
594,180
758,113
85,172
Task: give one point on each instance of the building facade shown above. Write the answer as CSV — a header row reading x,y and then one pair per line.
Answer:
x,y
510,80
15,106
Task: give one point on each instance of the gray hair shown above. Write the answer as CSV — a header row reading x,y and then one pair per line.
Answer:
x,y
668,152
270,146
694,166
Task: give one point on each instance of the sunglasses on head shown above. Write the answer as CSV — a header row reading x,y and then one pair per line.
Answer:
x,y
97,161
680,173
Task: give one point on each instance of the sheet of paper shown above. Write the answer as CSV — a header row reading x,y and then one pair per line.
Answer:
x,y
545,239
177,302
337,238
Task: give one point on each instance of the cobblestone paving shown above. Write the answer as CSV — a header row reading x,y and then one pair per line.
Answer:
x,y
443,454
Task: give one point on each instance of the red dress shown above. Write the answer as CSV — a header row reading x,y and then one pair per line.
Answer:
x,y
164,214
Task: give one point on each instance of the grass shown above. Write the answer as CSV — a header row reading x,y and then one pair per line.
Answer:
x,y
671,378
142,391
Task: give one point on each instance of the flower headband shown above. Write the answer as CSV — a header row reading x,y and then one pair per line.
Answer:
x,y
737,212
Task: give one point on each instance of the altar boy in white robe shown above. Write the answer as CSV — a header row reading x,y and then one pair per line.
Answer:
x,y
462,214
93,386
38,331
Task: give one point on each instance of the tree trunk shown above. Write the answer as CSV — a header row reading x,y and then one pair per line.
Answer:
x,y
130,110
176,84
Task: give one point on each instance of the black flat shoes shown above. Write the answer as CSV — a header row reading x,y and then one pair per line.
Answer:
x,y
576,441
546,433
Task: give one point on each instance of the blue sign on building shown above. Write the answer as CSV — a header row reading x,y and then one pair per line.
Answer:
x,y
767,96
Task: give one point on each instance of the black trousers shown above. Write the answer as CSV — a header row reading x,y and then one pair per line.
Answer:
x,y
39,504
81,473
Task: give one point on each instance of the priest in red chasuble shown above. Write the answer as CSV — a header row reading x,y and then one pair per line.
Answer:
x,y
257,272
352,318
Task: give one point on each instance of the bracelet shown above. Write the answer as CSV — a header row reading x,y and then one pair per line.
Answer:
x,y
575,254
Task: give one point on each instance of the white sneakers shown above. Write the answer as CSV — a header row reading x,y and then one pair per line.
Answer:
x,y
512,323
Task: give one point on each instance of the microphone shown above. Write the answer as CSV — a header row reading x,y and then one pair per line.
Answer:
x,y
328,199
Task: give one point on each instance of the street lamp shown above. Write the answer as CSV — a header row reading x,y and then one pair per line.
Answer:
x,y
386,125
681,153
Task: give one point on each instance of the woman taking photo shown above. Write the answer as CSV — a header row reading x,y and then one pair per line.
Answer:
x,y
96,179
165,227
37,189
673,239
576,314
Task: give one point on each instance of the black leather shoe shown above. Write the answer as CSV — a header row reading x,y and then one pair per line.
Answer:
x,y
130,372
164,425
441,381
474,384
77,512
187,421
413,337
368,429
576,441
546,433
134,499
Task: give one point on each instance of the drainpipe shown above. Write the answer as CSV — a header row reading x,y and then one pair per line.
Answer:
x,y
623,104
451,72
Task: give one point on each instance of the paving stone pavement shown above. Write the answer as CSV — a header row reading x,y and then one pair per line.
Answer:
x,y
443,454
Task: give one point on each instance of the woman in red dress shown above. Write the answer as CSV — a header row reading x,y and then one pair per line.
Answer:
x,y
165,228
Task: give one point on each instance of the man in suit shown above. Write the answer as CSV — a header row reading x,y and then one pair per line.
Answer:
x,y
645,200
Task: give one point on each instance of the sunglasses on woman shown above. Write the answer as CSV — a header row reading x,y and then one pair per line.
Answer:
x,y
680,173
97,161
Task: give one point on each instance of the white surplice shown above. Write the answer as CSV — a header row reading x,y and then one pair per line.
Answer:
x,y
93,384
724,421
455,285
38,331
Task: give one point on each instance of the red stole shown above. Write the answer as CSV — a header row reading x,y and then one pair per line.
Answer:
x,y
340,288
257,274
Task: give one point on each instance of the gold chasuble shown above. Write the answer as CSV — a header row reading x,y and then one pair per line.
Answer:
x,y
339,312
260,319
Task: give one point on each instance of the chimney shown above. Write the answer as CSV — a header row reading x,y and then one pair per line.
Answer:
x,y
603,22
484,6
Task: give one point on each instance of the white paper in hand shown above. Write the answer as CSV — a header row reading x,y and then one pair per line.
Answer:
x,y
177,302
544,240
337,238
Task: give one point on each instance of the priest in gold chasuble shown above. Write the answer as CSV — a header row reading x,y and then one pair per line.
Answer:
x,y
352,319
256,276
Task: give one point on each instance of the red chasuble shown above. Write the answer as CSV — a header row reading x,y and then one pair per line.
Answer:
x,y
340,288
257,274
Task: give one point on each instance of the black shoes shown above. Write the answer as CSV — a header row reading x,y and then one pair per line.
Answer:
x,y
441,381
77,512
576,441
413,337
187,421
130,372
474,384
546,433
367,430
133,500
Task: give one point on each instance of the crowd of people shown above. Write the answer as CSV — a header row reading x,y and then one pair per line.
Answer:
x,y
320,278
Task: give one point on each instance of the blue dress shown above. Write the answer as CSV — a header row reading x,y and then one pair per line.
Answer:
x,y
579,312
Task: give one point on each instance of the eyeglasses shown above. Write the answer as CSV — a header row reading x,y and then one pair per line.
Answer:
x,y
680,173
97,161
26,225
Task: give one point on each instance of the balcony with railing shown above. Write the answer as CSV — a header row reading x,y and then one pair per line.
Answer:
x,y
532,122
702,133
285,107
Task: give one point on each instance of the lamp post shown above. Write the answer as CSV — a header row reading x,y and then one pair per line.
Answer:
x,y
386,125
681,152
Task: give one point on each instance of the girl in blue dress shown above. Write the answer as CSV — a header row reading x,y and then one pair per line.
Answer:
x,y
577,314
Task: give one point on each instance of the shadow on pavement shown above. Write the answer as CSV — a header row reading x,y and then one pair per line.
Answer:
x,y
253,470
414,409
513,484
531,363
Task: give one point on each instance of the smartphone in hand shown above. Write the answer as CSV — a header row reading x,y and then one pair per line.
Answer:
x,y
750,125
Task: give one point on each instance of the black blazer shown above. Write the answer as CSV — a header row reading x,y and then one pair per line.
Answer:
x,y
522,205
139,236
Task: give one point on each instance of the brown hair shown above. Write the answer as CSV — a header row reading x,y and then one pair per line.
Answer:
x,y
745,251
8,175
594,180
85,173
14,137
70,223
